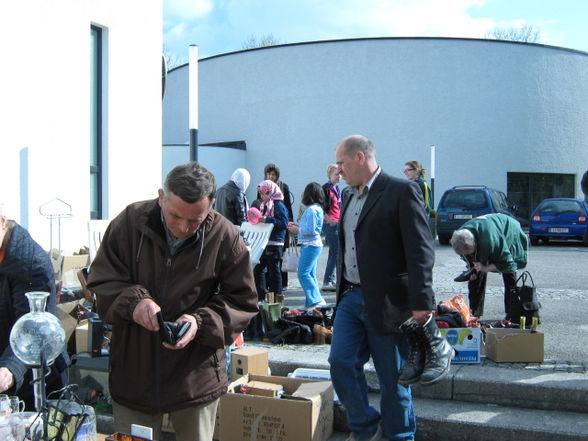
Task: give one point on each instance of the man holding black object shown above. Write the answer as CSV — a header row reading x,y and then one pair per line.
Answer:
x,y
172,259
492,243
385,297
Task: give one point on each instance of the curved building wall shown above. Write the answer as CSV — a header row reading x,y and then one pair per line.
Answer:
x,y
489,107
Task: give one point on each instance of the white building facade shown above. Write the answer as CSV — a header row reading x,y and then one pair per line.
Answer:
x,y
81,112
511,116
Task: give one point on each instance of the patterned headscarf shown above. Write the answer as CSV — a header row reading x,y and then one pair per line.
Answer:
x,y
271,189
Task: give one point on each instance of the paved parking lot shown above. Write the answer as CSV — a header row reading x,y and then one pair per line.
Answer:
x,y
560,272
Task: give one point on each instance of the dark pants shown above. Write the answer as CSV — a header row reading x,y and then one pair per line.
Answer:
x,y
477,292
272,260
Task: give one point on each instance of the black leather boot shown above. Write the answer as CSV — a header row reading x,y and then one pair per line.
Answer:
x,y
438,352
412,370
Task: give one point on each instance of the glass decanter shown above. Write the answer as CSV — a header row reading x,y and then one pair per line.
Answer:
x,y
37,332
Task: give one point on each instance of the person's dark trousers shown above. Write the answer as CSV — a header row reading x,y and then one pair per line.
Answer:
x,y
477,294
332,239
270,259
284,273
510,283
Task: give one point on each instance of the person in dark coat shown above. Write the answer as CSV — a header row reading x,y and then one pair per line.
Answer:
x,y
384,295
230,199
24,267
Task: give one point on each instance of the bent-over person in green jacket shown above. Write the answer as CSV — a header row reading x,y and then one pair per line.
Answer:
x,y
494,242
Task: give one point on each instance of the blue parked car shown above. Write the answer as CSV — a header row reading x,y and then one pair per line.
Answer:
x,y
558,218
464,202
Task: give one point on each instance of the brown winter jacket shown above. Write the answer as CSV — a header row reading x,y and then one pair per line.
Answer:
x,y
209,277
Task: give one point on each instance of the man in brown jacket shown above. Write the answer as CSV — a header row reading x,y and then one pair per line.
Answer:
x,y
177,256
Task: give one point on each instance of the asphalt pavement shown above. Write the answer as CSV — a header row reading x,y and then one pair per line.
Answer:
x,y
560,273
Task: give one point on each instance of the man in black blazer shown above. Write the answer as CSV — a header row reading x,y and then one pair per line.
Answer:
x,y
384,287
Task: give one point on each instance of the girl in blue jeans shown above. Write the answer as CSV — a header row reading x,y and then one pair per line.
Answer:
x,y
311,244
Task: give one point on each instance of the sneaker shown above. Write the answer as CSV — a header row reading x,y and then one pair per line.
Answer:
x,y
329,287
377,436
311,308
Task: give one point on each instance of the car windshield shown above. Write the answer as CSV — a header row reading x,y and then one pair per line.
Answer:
x,y
557,207
465,200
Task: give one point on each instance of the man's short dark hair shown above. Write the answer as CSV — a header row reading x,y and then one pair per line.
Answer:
x,y
271,168
313,194
190,182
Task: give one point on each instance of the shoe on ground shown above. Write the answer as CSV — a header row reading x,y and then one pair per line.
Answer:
x,y
311,308
330,287
377,436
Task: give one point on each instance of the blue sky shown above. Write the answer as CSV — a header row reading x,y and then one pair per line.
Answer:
x,y
219,26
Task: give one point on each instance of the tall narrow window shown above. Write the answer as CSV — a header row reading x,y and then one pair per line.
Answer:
x,y
96,124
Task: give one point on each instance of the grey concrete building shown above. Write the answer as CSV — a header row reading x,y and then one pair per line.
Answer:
x,y
509,115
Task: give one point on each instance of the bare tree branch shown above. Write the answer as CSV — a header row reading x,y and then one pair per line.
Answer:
x,y
171,59
526,34
266,40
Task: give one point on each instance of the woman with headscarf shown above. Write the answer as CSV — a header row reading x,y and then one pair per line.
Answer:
x,y
231,201
273,210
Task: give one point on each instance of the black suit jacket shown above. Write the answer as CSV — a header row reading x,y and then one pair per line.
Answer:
x,y
395,252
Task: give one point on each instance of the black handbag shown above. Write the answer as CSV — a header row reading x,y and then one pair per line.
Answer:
x,y
523,300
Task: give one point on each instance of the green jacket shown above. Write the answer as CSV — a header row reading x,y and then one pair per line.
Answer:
x,y
500,240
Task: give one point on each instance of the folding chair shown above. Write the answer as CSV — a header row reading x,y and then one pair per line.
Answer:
x,y
257,236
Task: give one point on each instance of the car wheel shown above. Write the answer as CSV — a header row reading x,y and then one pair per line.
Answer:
x,y
534,240
443,239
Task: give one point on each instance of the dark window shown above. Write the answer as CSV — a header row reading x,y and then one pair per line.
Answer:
x,y
526,190
96,124
465,200
558,207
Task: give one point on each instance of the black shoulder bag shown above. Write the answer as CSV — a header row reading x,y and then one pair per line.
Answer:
x,y
523,301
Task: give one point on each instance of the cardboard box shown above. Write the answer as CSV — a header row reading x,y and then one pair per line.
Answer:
x,y
467,343
67,315
514,345
67,266
264,389
249,361
304,413
82,337
70,265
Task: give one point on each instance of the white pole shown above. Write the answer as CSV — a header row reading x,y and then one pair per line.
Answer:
x,y
193,101
433,174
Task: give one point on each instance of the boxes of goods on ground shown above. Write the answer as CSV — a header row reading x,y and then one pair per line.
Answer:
x,y
511,345
467,343
249,361
258,408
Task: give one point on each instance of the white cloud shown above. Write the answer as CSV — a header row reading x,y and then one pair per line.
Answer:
x,y
187,9
413,18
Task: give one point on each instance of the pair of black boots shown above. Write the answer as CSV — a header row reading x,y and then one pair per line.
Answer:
x,y
430,353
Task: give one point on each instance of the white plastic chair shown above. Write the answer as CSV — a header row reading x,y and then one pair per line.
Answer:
x,y
96,229
257,236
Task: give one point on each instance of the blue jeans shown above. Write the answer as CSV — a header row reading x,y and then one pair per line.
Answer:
x,y
354,340
307,274
332,238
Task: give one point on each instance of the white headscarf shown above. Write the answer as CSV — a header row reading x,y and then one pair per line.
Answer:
x,y
241,178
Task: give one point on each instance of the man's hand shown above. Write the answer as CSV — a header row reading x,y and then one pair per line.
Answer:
x,y
145,314
189,336
421,316
6,379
